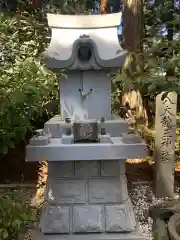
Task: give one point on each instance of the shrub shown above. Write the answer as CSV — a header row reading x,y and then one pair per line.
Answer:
x,y
13,218
25,84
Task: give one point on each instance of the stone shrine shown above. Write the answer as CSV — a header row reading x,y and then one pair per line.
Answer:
x,y
86,147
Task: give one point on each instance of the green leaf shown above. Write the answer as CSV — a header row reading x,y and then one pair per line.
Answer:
x,y
5,234
152,87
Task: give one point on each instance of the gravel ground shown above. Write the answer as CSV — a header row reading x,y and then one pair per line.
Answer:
x,y
142,198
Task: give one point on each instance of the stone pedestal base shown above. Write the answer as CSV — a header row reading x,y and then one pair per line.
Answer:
x,y
91,218
103,236
87,199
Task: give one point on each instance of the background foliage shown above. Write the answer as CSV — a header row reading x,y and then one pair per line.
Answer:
x,y
25,84
14,217
161,55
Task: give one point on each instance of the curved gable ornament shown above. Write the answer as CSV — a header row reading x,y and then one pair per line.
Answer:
x,y
84,42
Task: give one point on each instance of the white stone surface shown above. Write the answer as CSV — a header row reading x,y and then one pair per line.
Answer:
x,y
60,169
96,200
55,219
118,219
66,191
88,219
87,169
112,168
165,139
56,126
107,190
84,21
98,103
103,236
88,198
88,204
77,108
106,39
56,151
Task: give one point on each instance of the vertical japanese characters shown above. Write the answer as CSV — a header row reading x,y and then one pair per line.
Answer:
x,y
167,140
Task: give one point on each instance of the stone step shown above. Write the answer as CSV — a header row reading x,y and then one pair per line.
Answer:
x,y
103,236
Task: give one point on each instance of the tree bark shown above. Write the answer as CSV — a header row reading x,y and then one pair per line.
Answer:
x,y
170,33
133,42
103,6
133,25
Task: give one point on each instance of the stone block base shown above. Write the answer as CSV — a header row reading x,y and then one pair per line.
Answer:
x,y
87,199
91,218
103,236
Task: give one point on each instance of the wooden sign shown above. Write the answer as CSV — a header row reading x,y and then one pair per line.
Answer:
x,y
165,137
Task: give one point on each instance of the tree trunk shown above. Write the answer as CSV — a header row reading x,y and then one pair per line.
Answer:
x,y
170,33
133,25
133,37
103,6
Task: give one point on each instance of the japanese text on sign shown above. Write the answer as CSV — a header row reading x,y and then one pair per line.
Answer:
x,y
166,140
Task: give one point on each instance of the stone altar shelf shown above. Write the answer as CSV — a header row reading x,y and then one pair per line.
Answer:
x,y
58,146
86,147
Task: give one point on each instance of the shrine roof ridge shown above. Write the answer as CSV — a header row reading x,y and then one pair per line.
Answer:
x,y
84,21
